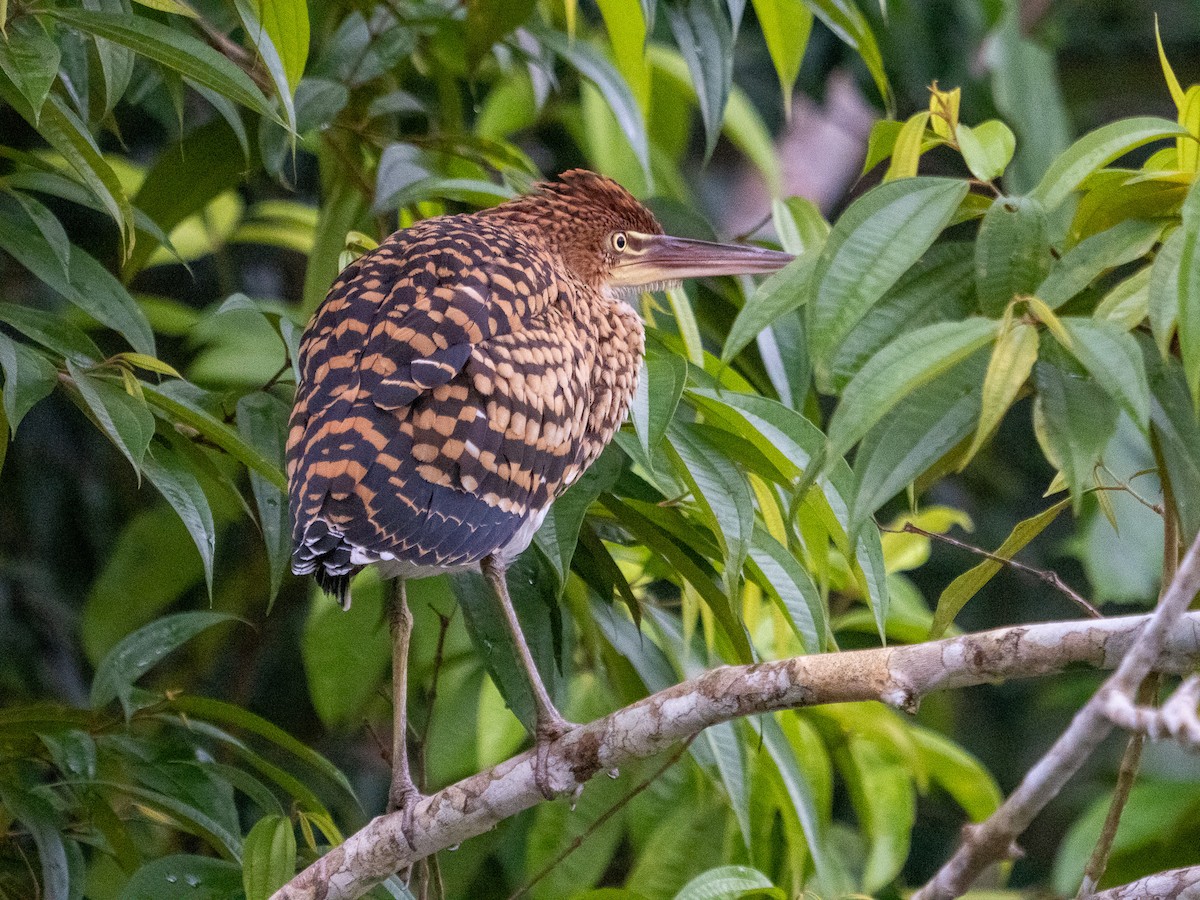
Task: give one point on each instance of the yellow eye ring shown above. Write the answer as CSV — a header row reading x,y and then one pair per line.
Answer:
x,y
620,242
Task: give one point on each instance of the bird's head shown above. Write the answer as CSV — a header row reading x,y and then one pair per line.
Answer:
x,y
608,239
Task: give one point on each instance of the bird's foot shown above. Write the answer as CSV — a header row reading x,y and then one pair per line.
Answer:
x,y
403,797
548,731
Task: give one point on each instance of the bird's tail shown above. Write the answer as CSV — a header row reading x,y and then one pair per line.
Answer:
x,y
323,552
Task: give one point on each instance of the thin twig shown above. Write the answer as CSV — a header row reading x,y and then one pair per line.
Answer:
x,y
271,382
1050,577
1126,776
1125,486
604,817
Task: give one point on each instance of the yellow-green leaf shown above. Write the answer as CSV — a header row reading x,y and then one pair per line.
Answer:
x,y
907,152
1187,149
943,111
1168,72
626,28
968,584
1012,360
987,149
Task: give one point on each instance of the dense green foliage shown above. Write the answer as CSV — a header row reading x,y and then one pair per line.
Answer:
x,y
179,184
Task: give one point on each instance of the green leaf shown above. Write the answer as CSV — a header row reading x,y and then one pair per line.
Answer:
x,y
1123,243
28,377
269,857
885,803
728,883
704,36
88,284
1111,356
220,711
179,486
1012,361
796,446
958,773
987,149
174,49
184,877
616,92
1178,433
646,531
626,26
63,130
799,224
51,230
184,180
559,533
488,21
1164,291
659,388
286,21
785,25
881,142
1012,252
139,652
262,421
777,295
180,408
42,821
29,57
910,361
51,332
792,588
116,66
346,653
146,569
721,490
258,17
846,21
918,432
875,241
126,420
1074,418
1097,149
969,583
1189,292
940,287
1127,304
799,792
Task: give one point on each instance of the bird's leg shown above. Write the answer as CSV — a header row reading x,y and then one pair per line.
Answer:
x,y
403,794
550,723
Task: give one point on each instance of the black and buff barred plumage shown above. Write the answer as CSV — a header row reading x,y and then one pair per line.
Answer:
x,y
457,379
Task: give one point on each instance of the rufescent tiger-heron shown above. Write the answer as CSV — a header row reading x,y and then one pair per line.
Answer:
x,y
457,379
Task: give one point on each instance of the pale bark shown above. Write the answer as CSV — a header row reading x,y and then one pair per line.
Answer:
x,y
1175,884
899,676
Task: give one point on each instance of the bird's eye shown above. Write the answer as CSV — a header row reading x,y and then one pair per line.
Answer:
x,y
620,242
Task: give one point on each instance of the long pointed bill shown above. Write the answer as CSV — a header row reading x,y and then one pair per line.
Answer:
x,y
656,258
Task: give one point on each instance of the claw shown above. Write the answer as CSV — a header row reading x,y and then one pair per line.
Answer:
x,y
547,732
403,797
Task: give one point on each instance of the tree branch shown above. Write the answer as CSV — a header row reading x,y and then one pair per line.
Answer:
x,y
899,676
993,839
1174,884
